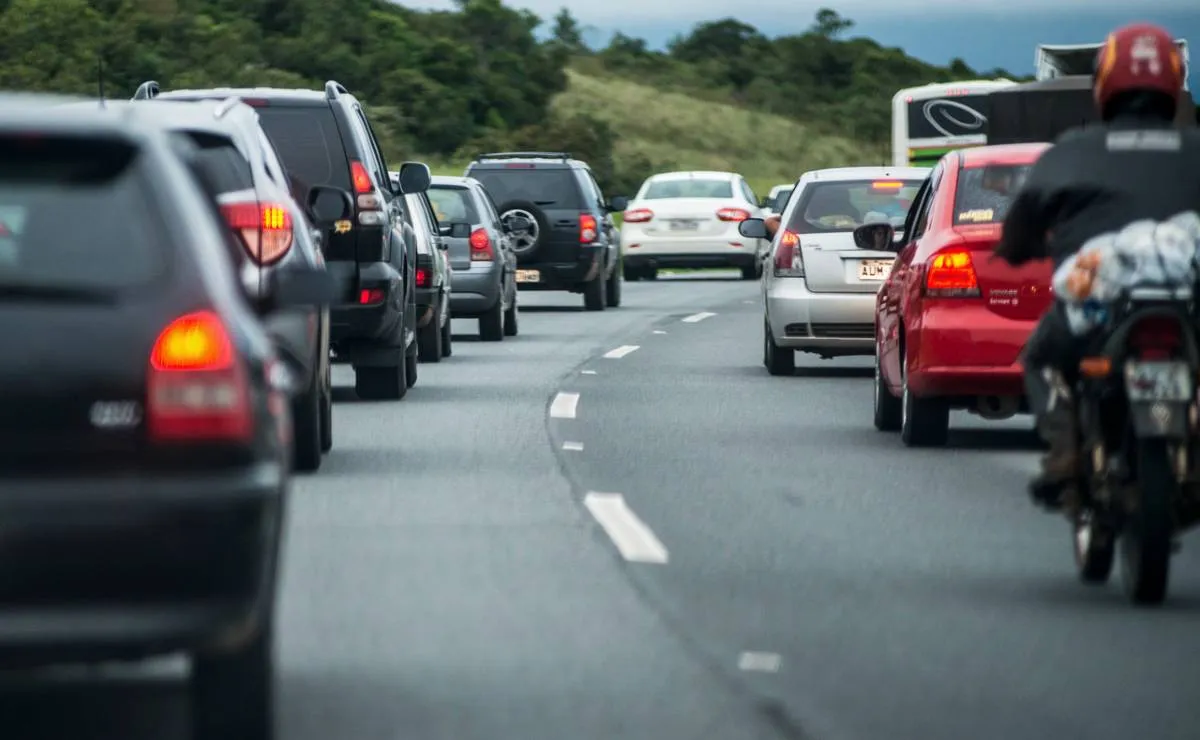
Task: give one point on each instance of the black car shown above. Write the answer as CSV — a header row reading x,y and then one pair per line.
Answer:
x,y
326,142
144,415
562,225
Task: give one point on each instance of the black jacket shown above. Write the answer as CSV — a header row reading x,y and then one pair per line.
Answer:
x,y
1098,180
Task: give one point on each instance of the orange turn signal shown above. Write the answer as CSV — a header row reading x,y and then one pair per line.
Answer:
x,y
1095,367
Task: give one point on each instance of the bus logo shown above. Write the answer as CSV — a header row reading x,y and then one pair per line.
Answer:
x,y
944,114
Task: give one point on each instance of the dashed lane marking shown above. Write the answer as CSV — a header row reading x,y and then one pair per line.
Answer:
x,y
619,352
573,446
587,372
563,406
761,662
659,331
698,317
634,540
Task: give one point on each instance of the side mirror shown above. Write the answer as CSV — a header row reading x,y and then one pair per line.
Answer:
x,y
617,204
457,230
394,178
753,228
876,236
327,203
303,287
414,177
442,245
764,202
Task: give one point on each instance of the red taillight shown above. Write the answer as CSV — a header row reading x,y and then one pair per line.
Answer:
x,y
481,246
264,228
1156,338
789,262
422,277
951,274
733,214
371,296
197,389
637,216
361,178
587,228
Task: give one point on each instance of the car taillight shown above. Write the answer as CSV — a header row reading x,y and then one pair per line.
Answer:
x,y
1156,338
951,274
481,246
733,214
422,277
587,228
370,206
371,296
265,229
789,262
197,387
637,216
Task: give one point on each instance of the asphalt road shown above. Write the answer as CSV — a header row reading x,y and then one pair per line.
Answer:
x,y
542,542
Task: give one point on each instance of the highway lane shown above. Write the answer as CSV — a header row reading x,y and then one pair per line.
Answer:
x,y
869,590
441,578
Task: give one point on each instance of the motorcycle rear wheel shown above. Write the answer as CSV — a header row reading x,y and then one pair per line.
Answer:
x,y
1146,539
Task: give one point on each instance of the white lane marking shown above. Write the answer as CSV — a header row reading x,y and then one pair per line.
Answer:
x,y
659,331
573,446
587,372
619,352
635,541
764,662
563,406
696,317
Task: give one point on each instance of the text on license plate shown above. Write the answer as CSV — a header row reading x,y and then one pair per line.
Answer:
x,y
874,269
528,276
684,225
1158,381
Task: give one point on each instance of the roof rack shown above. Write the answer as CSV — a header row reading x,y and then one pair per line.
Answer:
x,y
226,105
333,89
148,90
526,155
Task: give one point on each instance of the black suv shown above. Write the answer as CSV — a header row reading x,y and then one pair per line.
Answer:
x,y
336,167
563,234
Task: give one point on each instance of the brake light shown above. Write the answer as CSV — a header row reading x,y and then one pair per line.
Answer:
x,y
588,230
197,389
256,102
733,214
371,296
637,216
422,277
361,178
789,262
951,274
1156,338
265,229
887,186
481,246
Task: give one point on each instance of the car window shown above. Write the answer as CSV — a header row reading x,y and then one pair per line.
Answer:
x,y
307,140
271,161
921,222
984,194
221,162
427,209
453,203
696,187
780,199
381,171
107,239
420,220
750,196
555,187
828,207
491,210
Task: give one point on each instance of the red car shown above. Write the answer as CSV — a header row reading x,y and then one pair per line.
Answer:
x,y
950,321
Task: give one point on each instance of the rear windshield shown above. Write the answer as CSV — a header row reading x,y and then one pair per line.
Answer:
x,y
307,140
556,187
221,161
828,207
985,193
73,215
690,188
451,203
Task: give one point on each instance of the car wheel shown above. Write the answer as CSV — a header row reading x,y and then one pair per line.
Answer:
x,y
491,324
594,293
233,694
511,325
650,273
327,414
887,407
382,383
410,368
306,436
750,272
429,339
924,422
632,274
779,361
612,291
447,338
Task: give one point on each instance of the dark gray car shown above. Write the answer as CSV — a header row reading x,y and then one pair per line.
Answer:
x,y
484,266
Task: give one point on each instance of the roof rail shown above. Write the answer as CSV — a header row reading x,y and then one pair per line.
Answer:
x,y
226,105
526,155
148,90
333,89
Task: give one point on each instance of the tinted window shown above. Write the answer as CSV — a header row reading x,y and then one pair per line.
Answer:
x,y
73,215
545,187
307,141
780,199
827,207
690,188
985,193
222,163
452,204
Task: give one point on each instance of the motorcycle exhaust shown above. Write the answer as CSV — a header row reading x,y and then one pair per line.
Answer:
x,y
997,408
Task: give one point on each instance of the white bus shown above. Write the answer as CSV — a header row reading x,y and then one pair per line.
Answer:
x,y
930,120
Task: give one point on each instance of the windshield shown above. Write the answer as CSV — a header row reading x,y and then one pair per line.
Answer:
x,y
844,206
689,188
554,187
985,193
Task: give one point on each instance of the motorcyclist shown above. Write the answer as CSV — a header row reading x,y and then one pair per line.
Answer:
x,y
1133,165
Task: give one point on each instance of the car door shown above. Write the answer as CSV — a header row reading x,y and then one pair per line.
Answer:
x,y
893,292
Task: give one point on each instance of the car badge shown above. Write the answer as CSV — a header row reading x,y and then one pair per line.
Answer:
x,y
342,226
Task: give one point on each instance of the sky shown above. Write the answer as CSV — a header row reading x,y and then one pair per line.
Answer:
x,y
986,33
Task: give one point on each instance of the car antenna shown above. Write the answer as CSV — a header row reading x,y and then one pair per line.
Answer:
x,y
100,78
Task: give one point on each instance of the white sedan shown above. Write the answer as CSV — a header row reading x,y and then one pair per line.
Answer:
x,y
690,220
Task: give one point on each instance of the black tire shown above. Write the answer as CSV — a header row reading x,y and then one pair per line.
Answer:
x,y
491,324
410,369
327,415
539,219
1146,538
924,422
512,318
447,339
612,289
632,274
650,273
1095,546
778,360
306,430
751,272
888,408
382,383
429,339
233,694
594,293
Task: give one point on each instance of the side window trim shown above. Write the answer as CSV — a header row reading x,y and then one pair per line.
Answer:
x,y
491,207
935,182
378,154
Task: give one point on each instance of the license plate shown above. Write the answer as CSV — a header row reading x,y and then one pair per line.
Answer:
x,y
1158,381
528,276
684,225
874,269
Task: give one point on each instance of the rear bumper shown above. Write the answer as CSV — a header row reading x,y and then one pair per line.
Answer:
x,y
124,568
475,290
567,275
827,323
295,333
967,351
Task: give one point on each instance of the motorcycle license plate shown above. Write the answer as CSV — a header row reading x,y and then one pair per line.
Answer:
x,y
1158,381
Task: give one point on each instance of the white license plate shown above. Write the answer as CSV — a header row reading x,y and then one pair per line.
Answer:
x,y
684,225
874,269
528,276
1158,381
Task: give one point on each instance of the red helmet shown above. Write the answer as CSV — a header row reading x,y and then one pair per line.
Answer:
x,y
1138,57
